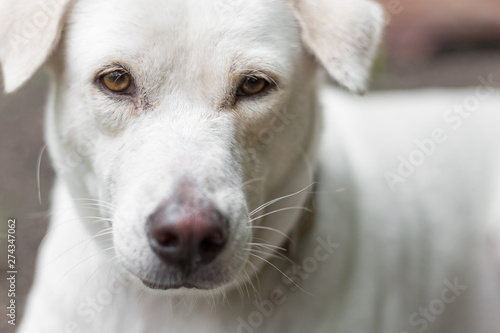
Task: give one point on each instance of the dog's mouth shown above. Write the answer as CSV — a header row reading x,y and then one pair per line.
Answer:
x,y
161,277
172,286
165,277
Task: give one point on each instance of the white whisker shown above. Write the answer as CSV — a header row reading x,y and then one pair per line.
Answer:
x,y
269,203
253,181
269,246
268,254
275,254
271,229
81,262
39,166
279,211
92,275
286,276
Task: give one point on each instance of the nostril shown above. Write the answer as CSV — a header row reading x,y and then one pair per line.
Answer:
x,y
215,239
211,246
167,239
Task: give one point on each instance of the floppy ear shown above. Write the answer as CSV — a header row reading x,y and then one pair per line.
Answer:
x,y
344,35
29,31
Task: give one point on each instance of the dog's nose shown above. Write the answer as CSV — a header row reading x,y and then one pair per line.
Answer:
x,y
187,236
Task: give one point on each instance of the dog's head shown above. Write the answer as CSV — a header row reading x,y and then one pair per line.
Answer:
x,y
186,116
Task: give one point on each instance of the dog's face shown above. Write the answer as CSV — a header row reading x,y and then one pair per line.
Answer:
x,y
173,97
192,114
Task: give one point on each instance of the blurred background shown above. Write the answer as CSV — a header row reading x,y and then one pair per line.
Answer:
x,y
428,43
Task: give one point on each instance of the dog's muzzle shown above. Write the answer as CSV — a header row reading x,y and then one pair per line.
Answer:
x,y
187,235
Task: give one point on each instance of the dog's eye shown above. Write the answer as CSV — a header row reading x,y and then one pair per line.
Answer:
x,y
117,81
252,86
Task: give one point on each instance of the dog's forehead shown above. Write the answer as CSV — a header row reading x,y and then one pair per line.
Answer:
x,y
161,30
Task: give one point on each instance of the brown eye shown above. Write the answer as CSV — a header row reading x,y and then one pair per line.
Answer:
x,y
117,81
252,86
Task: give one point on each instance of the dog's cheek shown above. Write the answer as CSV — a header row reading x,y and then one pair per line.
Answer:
x,y
258,130
112,116
253,176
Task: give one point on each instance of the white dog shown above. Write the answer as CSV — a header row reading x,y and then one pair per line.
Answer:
x,y
173,126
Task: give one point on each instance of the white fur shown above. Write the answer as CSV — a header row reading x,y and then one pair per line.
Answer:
x,y
117,160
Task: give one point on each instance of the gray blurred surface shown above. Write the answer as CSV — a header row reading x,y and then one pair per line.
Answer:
x,y
21,140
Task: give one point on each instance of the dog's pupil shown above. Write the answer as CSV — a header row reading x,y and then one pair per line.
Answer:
x,y
117,81
254,85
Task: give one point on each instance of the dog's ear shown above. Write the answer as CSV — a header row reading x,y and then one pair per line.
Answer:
x,y
29,32
344,35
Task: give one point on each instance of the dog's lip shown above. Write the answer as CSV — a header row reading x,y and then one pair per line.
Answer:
x,y
171,286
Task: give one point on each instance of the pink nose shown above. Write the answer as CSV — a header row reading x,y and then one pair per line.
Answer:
x,y
186,235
